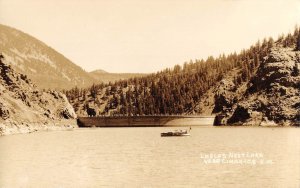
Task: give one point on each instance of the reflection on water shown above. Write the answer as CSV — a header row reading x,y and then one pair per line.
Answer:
x,y
139,157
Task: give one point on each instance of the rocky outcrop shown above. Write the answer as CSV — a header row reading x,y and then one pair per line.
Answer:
x,y
224,96
24,108
271,97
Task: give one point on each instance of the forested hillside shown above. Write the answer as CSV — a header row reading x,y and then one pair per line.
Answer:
x,y
178,90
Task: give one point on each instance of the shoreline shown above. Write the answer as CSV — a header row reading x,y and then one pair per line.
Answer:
x,y
12,128
72,128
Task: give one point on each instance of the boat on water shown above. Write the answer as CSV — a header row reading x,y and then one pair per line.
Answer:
x,y
175,133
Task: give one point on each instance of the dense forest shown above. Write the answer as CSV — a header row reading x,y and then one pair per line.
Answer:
x,y
176,90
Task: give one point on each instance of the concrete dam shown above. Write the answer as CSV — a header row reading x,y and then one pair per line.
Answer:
x,y
145,121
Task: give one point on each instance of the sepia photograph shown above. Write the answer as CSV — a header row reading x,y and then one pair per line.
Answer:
x,y
150,93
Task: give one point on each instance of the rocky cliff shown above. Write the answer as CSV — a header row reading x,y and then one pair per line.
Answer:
x,y
270,97
24,108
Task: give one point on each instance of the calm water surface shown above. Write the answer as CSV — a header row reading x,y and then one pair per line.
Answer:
x,y
139,157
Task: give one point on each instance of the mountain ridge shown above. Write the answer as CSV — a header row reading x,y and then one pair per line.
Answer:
x,y
48,68
100,71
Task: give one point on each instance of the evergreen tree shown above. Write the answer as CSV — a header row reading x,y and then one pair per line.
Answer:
x,y
298,42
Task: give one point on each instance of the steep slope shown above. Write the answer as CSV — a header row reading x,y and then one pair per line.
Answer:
x,y
24,108
272,95
45,66
106,77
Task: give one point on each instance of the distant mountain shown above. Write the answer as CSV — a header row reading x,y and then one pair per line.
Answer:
x,y
45,66
99,71
25,108
106,77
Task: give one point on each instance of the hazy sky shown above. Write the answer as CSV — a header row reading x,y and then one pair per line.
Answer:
x,y
148,35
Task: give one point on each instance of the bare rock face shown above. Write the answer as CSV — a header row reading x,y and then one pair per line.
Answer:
x,y
4,112
273,94
63,109
224,96
24,108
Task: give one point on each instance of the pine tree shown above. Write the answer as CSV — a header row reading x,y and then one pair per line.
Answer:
x,y
93,91
298,42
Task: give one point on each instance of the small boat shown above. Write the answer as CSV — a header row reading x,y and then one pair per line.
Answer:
x,y
175,133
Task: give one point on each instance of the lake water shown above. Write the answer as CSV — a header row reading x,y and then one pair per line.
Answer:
x,y
139,157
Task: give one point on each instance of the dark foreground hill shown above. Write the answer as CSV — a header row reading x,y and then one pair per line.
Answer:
x,y
24,108
258,86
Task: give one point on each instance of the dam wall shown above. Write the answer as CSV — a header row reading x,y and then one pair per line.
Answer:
x,y
144,121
